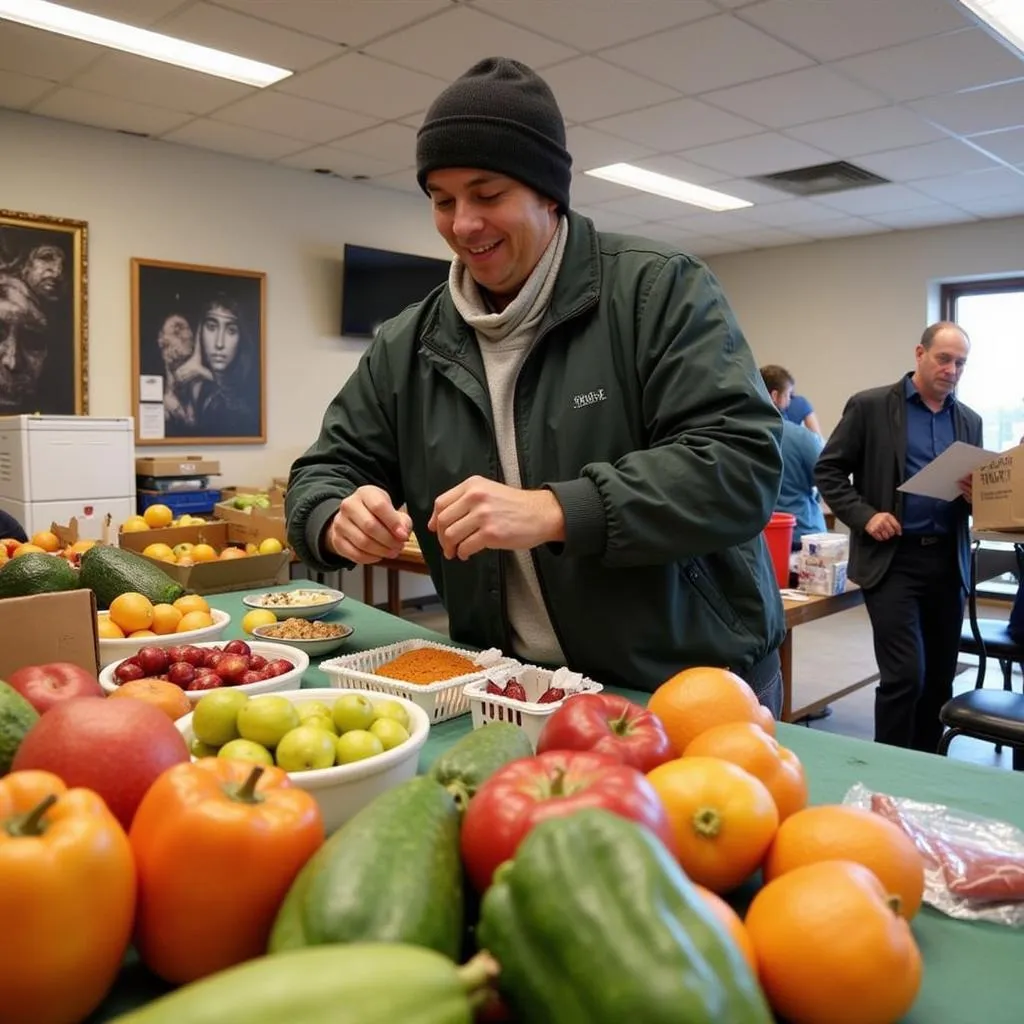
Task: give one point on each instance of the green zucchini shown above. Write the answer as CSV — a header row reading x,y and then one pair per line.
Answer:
x,y
390,874
363,983
595,923
464,767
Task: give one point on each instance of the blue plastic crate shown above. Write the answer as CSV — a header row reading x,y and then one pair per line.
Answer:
x,y
179,502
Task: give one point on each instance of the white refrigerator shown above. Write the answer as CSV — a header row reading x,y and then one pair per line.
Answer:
x,y
55,468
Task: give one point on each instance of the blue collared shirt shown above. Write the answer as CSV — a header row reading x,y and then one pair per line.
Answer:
x,y
929,434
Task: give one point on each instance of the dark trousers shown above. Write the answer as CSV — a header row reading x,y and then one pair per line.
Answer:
x,y
916,614
765,679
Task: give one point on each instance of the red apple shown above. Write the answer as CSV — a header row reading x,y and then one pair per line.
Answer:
x,y
205,681
181,673
257,662
251,677
195,656
278,667
43,686
237,647
231,667
154,660
213,658
116,748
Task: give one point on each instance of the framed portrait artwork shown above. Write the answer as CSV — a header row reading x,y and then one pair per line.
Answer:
x,y
198,354
44,331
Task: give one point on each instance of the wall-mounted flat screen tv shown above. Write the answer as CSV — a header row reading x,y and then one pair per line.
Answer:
x,y
377,284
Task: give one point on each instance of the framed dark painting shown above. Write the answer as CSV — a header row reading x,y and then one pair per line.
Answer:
x,y
43,315
198,354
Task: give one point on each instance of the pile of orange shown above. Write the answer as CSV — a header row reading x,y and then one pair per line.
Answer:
x,y
828,933
134,616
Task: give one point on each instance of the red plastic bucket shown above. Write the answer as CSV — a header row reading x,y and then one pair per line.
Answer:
x,y
779,535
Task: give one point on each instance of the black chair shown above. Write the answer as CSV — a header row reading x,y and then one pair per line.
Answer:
x,y
996,716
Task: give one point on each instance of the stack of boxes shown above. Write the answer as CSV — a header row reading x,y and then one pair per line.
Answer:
x,y
821,564
182,483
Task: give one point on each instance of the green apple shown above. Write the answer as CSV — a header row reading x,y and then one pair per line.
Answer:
x,y
322,722
304,749
313,709
353,711
265,720
184,548
246,750
391,709
357,745
389,732
197,748
215,718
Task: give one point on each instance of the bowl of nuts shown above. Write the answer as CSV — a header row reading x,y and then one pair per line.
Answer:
x,y
297,604
313,637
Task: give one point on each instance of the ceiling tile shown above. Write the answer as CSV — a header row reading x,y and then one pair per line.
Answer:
x,y
769,238
392,142
591,148
842,227
403,181
449,44
675,167
587,88
348,165
606,219
643,206
957,188
999,206
353,22
960,60
231,138
1007,145
31,51
925,217
950,156
585,190
709,54
725,223
213,26
671,127
758,154
294,117
134,12
793,211
796,97
874,199
752,191
702,248
841,28
109,112
867,132
19,91
592,24
149,81
980,110
366,85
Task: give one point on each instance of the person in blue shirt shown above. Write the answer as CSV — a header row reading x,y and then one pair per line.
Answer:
x,y
800,450
801,412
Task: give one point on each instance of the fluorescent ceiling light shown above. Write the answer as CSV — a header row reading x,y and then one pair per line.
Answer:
x,y
67,21
670,188
1004,17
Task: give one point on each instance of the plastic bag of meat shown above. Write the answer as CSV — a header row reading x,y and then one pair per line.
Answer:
x,y
974,866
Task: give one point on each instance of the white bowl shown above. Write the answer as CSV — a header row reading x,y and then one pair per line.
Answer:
x,y
314,610
286,681
118,650
314,648
345,789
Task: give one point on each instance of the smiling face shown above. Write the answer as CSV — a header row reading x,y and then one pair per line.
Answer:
x,y
497,226
219,335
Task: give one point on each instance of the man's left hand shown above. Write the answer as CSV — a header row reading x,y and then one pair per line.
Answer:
x,y
479,514
965,487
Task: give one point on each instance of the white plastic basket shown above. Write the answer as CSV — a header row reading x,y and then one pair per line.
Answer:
x,y
440,701
529,716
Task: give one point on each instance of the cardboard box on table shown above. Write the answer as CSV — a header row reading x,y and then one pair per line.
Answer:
x,y
176,465
44,628
251,525
997,498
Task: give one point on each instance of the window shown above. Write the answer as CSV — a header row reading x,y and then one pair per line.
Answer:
x,y
992,313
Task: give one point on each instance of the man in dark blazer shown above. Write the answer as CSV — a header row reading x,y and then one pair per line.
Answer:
x,y
910,554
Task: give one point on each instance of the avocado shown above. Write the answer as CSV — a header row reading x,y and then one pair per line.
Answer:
x,y
36,573
110,572
17,716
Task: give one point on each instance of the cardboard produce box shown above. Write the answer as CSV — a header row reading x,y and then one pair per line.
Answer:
x,y
176,465
997,501
250,526
44,628
213,532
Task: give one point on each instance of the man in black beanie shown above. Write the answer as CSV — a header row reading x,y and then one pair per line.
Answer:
x,y
574,424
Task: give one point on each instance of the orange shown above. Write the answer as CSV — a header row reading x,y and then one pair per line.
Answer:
x,y
730,921
157,516
47,540
694,700
139,634
170,699
158,550
228,553
722,817
830,948
750,747
80,547
165,619
851,833
131,611
134,525
191,603
203,553
194,620
107,630
27,549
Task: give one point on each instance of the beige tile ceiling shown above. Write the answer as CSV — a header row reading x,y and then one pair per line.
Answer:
x,y
711,90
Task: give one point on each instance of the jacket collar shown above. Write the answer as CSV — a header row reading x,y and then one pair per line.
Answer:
x,y
576,289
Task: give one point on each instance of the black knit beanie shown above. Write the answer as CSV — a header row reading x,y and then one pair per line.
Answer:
x,y
499,116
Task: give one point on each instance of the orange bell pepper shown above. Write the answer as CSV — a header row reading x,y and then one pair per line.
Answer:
x,y
217,844
67,899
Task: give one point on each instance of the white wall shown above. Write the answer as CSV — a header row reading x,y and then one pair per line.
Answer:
x,y
845,315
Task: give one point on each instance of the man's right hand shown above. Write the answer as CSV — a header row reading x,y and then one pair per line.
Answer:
x,y
883,526
367,527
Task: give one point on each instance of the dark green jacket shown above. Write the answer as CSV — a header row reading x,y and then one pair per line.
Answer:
x,y
639,405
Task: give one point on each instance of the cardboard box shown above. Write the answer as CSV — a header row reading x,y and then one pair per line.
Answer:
x,y
176,465
214,532
997,501
49,627
253,526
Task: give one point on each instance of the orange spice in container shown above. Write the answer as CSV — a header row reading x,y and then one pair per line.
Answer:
x,y
426,665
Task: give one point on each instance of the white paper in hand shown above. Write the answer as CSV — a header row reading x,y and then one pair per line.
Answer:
x,y
939,478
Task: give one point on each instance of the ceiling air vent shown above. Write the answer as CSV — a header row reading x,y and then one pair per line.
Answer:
x,y
821,179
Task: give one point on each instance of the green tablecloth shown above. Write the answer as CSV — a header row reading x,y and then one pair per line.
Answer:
x,y
974,973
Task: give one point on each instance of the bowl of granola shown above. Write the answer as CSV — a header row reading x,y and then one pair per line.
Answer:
x,y
313,637
305,603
